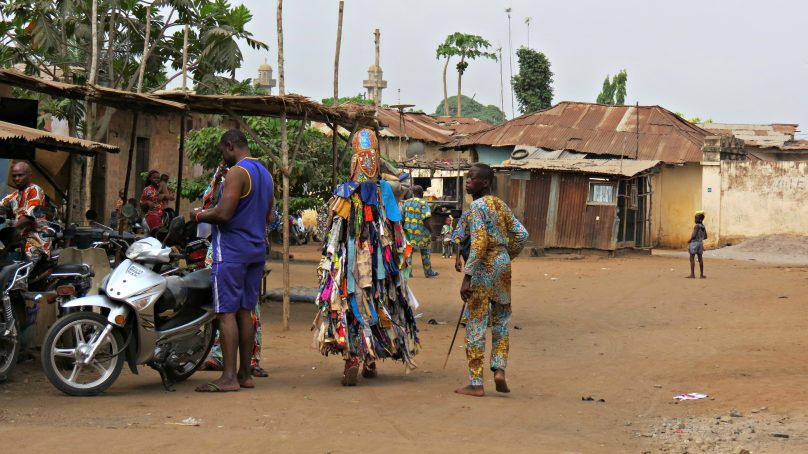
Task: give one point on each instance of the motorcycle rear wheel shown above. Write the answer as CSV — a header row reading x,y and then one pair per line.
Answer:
x,y
67,340
198,360
9,352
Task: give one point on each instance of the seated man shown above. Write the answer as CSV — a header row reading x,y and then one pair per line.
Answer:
x,y
23,204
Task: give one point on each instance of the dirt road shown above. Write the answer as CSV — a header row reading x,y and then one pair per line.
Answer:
x,y
631,331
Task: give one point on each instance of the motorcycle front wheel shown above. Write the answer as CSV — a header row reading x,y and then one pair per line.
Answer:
x,y
69,342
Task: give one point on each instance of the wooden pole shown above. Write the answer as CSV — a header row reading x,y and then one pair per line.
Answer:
x,y
335,128
285,166
129,159
181,160
180,165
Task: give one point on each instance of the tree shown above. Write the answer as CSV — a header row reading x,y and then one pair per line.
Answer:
x,y
614,91
533,85
133,44
358,99
474,109
694,120
446,51
467,47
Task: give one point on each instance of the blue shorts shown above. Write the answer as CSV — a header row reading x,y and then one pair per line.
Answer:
x,y
235,286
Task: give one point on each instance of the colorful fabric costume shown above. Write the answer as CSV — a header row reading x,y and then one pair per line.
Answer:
x,y
496,237
365,307
24,203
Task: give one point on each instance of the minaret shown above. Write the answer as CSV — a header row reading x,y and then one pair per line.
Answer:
x,y
265,79
375,82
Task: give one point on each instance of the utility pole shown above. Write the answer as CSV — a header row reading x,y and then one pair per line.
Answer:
x,y
335,129
510,60
501,83
527,22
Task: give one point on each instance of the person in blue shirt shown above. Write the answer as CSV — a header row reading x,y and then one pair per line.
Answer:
x,y
239,223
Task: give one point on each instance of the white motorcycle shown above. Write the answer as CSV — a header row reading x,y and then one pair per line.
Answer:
x,y
139,317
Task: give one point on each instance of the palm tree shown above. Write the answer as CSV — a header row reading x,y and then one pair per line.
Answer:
x,y
445,50
467,47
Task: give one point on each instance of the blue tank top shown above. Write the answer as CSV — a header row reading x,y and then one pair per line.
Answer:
x,y
243,238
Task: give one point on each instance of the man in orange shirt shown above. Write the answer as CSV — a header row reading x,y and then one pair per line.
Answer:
x,y
22,204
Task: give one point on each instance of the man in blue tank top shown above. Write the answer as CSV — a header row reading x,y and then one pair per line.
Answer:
x,y
239,252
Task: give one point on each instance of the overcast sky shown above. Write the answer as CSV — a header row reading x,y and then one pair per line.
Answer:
x,y
734,61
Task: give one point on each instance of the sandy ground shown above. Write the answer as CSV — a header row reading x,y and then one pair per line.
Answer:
x,y
630,330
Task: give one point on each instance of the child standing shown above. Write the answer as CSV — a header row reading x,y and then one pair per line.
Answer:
x,y
696,245
446,233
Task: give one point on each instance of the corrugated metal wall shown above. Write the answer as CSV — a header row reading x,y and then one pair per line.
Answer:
x,y
537,199
577,225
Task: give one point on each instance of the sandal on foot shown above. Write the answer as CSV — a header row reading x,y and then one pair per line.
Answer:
x,y
258,371
351,372
369,370
213,388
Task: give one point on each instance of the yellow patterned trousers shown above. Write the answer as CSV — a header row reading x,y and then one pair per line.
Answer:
x,y
479,310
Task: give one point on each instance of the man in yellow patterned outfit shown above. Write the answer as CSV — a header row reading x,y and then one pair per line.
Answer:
x,y
496,238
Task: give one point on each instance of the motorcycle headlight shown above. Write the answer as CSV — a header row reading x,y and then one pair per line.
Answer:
x,y
135,250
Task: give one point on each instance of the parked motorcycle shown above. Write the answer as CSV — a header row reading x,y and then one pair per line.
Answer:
x,y
19,306
141,317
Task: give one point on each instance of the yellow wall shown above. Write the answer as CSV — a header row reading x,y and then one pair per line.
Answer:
x,y
763,198
677,195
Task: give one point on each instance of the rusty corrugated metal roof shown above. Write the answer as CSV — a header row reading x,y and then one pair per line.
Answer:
x,y
624,167
775,134
413,126
599,129
16,134
463,125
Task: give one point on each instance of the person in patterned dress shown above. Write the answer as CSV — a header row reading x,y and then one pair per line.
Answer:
x,y
418,228
22,204
152,201
496,238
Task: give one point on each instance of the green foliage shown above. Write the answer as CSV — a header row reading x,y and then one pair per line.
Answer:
x,y
473,109
465,46
309,174
56,34
358,99
297,204
614,90
694,120
533,85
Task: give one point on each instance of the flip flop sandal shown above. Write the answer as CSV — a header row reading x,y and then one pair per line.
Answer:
x,y
213,388
258,371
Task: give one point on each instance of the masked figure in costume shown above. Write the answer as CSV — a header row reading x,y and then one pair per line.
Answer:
x,y
366,310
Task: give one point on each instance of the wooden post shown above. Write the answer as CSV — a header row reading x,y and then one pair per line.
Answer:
x,y
181,160
129,159
180,165
284,170
335,128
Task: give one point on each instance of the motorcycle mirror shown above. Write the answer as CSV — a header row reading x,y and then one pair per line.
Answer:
x,y
128,211
91,215
175,228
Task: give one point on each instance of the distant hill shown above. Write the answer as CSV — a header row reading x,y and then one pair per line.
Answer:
x,y
473,109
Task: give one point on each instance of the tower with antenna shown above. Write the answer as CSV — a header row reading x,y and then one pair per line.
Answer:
x,y
375,82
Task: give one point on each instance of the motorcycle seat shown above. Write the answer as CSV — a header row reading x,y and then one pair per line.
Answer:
x,y
198,280
187,292
73,268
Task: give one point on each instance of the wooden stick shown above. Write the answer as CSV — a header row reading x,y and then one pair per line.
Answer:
x,y
457,328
